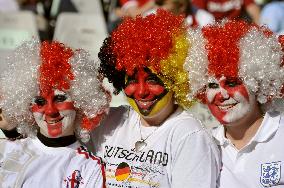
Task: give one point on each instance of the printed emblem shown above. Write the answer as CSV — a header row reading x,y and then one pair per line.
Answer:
x,y
122,172
270,173
75,180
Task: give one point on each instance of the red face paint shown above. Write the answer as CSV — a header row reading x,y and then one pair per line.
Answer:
x,y
54,113
146,89
227,99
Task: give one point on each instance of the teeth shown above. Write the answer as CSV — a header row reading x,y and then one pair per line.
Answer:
x,y
226,107
145,104
54,121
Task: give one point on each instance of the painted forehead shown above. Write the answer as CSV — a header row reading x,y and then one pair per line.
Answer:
x,y
223,78
150,75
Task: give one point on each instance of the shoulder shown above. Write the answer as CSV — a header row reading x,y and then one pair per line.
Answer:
x,y
185,126
115,117
185,121
83,155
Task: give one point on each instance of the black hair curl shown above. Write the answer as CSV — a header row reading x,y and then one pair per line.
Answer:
x,y
107,66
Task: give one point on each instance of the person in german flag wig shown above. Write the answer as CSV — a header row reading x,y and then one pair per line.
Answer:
x,y
52,91
237,69
144,58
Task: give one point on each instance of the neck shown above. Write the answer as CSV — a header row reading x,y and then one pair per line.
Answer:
x,y
159,118
242,131
57,142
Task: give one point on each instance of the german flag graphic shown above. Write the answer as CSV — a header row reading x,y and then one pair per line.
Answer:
x,y
122,172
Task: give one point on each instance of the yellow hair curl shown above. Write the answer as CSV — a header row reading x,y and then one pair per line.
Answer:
x,y
172,72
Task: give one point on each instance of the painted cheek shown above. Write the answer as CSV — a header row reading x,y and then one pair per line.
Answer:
x,y
37,108
211,94
213,97
217,113
130,89
239,89
65,106
156,89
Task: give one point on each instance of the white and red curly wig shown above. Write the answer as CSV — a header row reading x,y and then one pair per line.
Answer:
x,y
236,49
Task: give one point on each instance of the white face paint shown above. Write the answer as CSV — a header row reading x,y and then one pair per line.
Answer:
x,y
229,100
54,114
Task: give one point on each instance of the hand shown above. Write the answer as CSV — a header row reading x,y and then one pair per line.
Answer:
x,y
3,123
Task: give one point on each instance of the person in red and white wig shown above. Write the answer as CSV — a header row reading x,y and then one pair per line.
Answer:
x,y
52,92
237,69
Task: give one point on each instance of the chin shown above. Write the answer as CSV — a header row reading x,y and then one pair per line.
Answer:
x,y
240,111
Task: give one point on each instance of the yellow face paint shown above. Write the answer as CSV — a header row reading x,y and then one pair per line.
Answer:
x,y
158,106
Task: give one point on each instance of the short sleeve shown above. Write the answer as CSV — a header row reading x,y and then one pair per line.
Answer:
x,y
196,161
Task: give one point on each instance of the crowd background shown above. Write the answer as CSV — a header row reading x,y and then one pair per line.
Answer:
x,y
268,12
86,23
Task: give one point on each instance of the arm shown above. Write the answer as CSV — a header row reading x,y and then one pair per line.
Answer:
x,y
9,131
196,162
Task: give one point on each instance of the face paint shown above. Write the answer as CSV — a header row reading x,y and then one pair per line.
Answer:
x,y
228,100
146,93
54,114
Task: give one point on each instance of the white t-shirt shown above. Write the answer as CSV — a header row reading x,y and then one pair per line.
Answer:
x,y
260,163
27,163
180,153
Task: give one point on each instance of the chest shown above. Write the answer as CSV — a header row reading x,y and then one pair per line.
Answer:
x,y
258,166
28,168
146,168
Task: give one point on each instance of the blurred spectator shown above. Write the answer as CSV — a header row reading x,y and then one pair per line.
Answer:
x,y
272,15
199,17
231,9
8,5
133,8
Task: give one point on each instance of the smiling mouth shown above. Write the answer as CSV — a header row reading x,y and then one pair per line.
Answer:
x,y
54,121
226,106
145,104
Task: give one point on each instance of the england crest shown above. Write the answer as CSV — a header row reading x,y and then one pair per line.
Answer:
x,y
270,173
74,180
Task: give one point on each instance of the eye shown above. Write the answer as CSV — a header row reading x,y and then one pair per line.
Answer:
x,y
232,83
130,80
213,85
40,101
59,98
153,79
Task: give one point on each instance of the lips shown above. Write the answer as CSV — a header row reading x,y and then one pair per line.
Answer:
x,y
145,104
53,121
